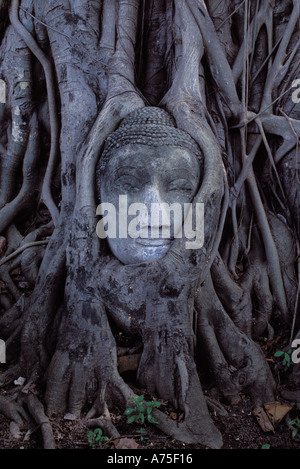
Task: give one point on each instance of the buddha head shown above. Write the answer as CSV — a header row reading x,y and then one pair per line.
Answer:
x,y
146,164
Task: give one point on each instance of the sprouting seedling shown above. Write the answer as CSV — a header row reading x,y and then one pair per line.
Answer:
x,y
295,426
286,358
96,438
142,432
141,411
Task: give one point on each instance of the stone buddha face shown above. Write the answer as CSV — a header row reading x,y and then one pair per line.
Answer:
x,y
138,178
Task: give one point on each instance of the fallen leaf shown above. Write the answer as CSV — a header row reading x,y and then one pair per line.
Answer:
x,y
128,363
263,419
276,411
125,443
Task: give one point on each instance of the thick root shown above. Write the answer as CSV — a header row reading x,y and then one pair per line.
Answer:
x,y
236,362
36,409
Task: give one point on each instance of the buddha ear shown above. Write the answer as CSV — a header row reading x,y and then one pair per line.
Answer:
x,y
212,193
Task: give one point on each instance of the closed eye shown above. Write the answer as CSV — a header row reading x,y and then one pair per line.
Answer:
x,y
128,183
180,185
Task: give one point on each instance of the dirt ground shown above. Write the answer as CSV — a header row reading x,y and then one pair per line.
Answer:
x,y
239,428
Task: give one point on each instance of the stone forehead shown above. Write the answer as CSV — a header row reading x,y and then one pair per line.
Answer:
x,y
148,126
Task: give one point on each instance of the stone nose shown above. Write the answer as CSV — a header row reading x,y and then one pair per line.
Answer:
x,y
154,220
152,195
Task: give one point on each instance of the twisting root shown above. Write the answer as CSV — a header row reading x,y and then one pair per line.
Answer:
x,y
12,410
36,409
103,422
30,177
22,249
46,196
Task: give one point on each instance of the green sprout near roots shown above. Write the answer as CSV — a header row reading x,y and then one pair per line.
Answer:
x,y
286,358
96,438
142,432
295,425
141,411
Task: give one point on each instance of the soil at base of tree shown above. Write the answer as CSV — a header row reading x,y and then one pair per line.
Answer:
x,y
239,428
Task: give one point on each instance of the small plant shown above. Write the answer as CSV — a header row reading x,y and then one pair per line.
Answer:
x,y
142,432
96,438
265,446
141,411
286,358
295,425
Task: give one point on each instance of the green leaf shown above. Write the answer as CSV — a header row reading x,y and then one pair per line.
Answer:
x,y
129,411
294,432
279,353
131,419
142,431
265,446
98,433
151,419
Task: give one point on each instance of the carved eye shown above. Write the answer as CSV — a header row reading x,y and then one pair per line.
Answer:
x,y
128,183
180,185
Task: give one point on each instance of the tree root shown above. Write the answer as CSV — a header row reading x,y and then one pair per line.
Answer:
x,y
13,410
236,363
103,422
68,383
54,126
36,409
18,410
21,249
196,428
